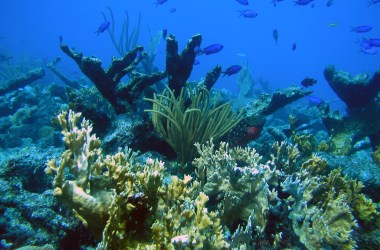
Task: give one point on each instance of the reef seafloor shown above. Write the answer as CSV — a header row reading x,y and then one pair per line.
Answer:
x,y
143,159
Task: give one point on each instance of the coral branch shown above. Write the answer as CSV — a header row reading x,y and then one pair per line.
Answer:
x,y
21,81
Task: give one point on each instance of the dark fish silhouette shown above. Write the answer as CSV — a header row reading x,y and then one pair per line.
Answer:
x,y
172,10
103,27
212,49
275,35
242,2
307,82
361,29
294,46
248,13
160,2
231,70
302,2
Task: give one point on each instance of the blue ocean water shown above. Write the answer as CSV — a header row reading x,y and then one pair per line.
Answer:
x,y
30,32
322,34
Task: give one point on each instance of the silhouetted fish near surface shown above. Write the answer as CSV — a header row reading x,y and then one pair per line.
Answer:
x,y
231,70
247,13
275,35
242,2
103,27
307,82
361,29
302,2
294,46
212,49
160,2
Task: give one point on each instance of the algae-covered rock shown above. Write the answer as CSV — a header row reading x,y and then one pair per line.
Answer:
x,y
356,91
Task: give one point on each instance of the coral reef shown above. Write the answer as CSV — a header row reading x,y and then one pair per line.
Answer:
x,y
288,201
21,81
127,200
107,81
356,91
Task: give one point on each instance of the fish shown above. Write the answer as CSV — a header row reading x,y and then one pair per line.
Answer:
x,y
332,24
294,46
234,69
164,33
315,100
302,2
371,2
307,82
160,2
172,10
275,2
361,29
212,49
275,35
242,2
248,13
103,27
329,3
374,42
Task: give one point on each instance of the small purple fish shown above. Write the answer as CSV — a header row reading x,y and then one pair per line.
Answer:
x,y
103,27
160,2
371,2
314,100
361,29
231,70
212,49
302,2
242,2
247,13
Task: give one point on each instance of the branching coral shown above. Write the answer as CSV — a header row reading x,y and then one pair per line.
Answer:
x,y
128,203
181,124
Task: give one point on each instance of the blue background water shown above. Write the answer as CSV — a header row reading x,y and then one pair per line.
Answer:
x,y
31,29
